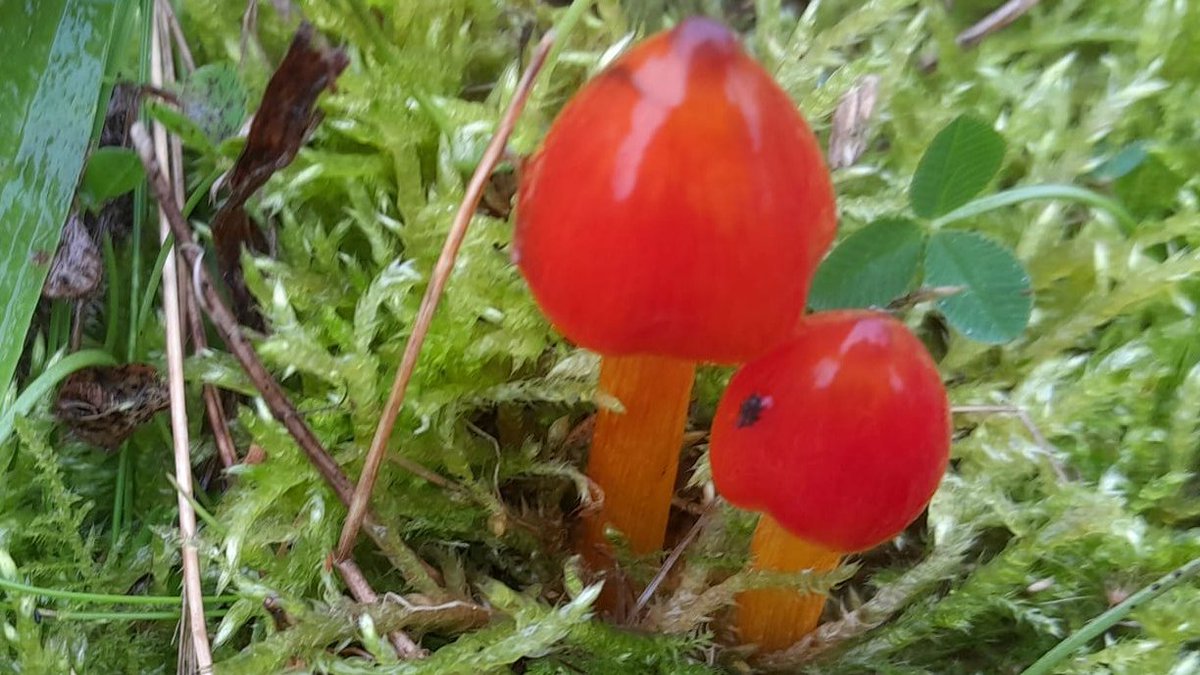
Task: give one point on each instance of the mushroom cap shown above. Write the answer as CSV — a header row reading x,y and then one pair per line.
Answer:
x,y
678,205
841,435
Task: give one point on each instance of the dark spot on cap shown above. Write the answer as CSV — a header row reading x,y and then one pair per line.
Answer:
x,y
752,409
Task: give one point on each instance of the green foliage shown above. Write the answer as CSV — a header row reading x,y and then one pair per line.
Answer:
x,y
214,100
995,299
55,59
111,172
1027,539
960,161
871,267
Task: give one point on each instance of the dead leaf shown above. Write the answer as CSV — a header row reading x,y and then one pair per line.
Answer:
x,y
104,405
283,122
286,114
77,268
851,122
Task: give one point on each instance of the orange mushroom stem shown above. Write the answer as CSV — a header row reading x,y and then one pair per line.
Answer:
x,y
673,215
840,437
654,393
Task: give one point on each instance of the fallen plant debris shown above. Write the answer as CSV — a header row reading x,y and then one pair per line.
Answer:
x,y
282,124
852,123
76,269
104,405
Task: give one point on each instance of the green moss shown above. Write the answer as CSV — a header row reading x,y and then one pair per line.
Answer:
x,y
1027,540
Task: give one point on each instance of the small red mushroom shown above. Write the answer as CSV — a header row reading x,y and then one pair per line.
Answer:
x,y
674,214
840,438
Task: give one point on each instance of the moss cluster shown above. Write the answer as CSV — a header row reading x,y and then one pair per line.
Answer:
x,y
1034,532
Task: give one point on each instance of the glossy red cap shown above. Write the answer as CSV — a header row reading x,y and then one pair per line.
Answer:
x,y
841,435
678,206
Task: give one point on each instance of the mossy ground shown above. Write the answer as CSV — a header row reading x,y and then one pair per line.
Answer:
x,y
1025,542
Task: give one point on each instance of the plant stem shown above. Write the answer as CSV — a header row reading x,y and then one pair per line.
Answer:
x,y
777,618
112,324
162,72
103,598
1098,625
118,517
122,616
635,457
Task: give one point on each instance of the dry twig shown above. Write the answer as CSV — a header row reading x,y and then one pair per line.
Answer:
x,y
851,122
1001,17
672,559
1022,415
362,592
193,601
405,560
437,284
185,52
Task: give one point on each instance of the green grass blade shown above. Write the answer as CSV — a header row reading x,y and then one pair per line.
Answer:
x,y
1038,192
54,62
1098,625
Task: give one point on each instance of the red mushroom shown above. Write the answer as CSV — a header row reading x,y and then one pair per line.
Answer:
x,y
840,437
674,214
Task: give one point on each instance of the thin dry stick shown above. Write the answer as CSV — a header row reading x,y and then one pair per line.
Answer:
x,y
672,559
415,571
213,407
437,284
193,600
362,592
185,52
1003,16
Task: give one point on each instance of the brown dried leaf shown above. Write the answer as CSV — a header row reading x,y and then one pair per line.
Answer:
x,y
286,115
103,405
284,119
77,268
851,120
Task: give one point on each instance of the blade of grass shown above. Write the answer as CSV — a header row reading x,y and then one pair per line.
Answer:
x,y
121,616
112,326
1094,628
54,59
1125,221
119,496
104,598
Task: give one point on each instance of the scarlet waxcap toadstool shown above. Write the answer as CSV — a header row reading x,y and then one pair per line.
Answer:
x,y
840,437
678,206
675,213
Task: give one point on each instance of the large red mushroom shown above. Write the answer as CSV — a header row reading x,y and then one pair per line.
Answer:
x,y
674,214
840,438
